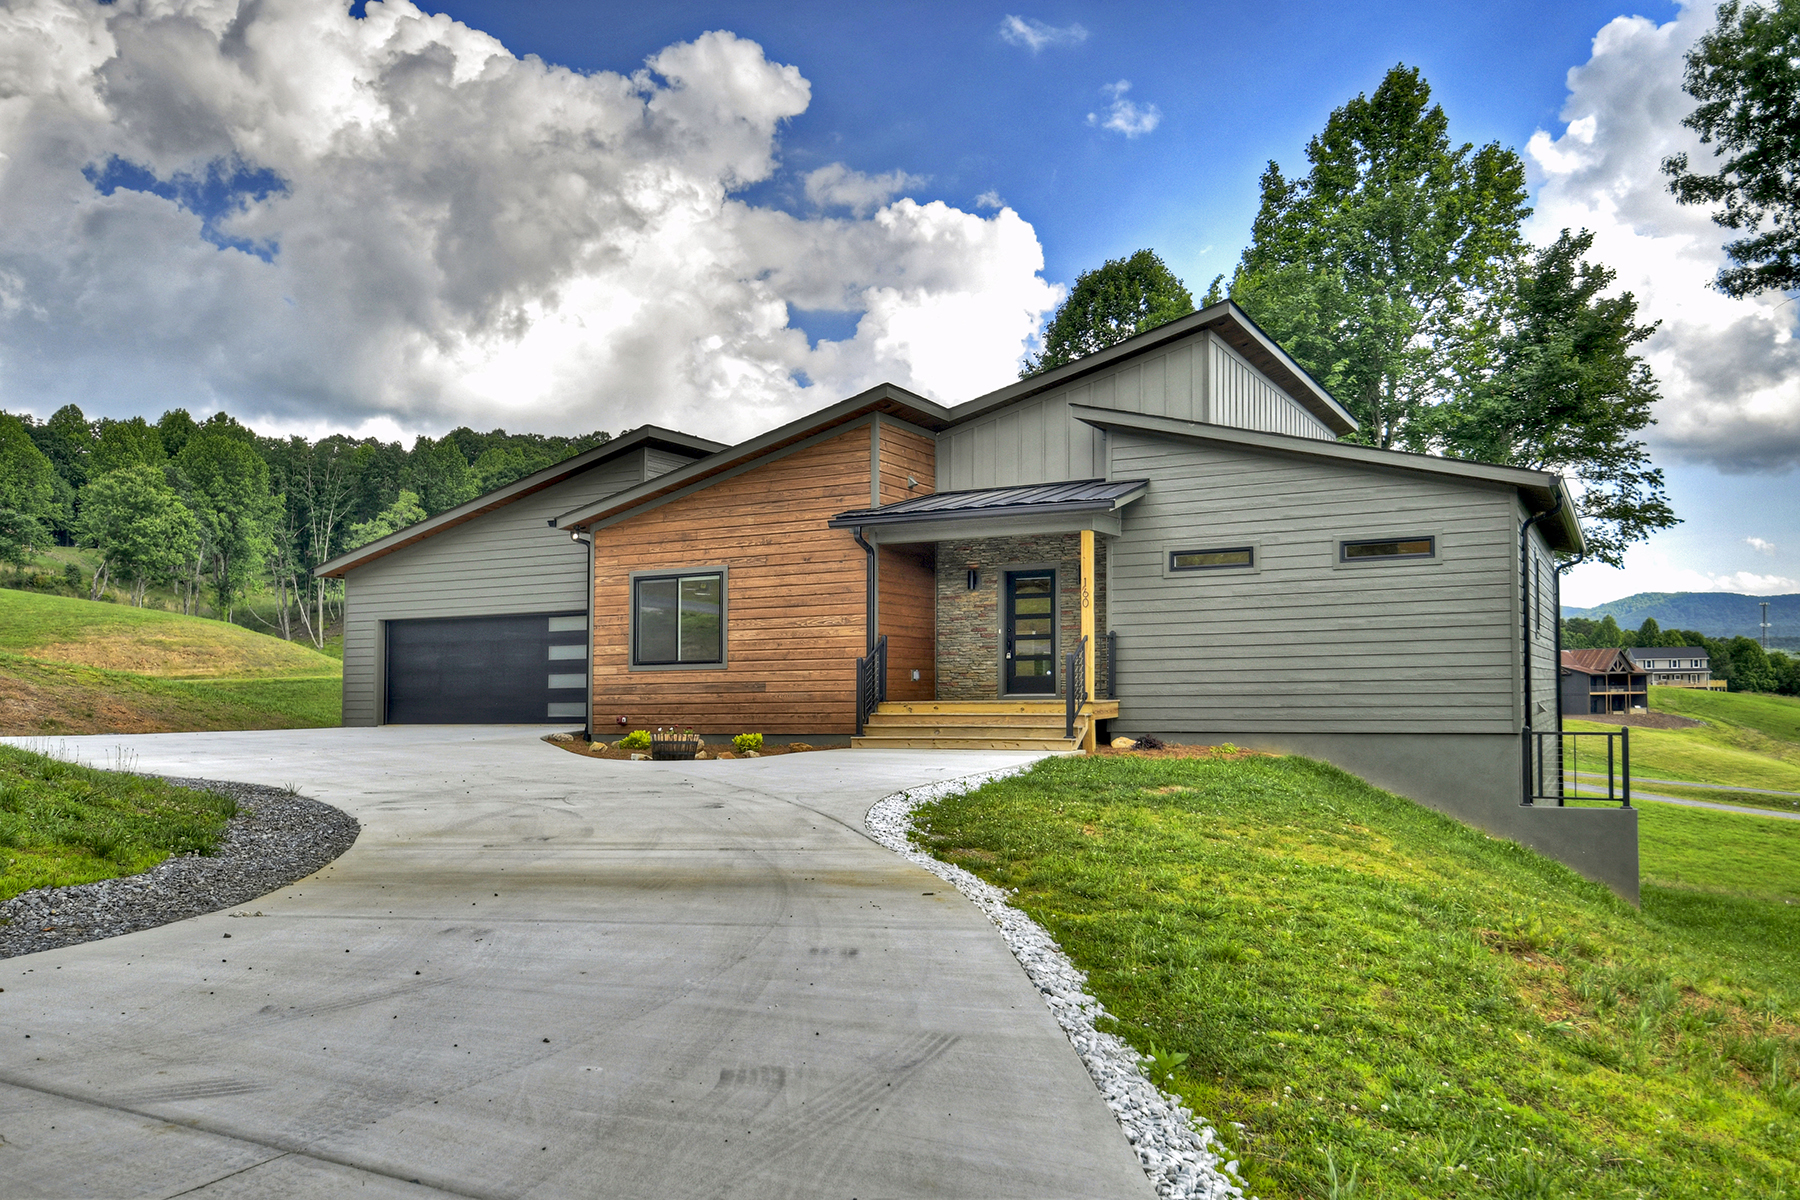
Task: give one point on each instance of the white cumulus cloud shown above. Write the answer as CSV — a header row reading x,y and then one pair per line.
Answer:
x,y
1126,116
1759,545
837,186
393,223
1034,34
990,199
1730,369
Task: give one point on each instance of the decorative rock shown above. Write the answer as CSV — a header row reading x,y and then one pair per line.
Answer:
x,y
799,746
700,754
1123,743
751,754
277,837
1179,1151
640,758
726,754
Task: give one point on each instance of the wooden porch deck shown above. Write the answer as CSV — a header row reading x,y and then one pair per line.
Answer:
x,y
980,725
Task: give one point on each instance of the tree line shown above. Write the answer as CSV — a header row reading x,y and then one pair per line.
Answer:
x,y
217,513
1740,661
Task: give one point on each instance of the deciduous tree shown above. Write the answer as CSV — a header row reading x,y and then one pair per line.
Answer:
x,y
26,492
144,533
1368,269
1123,297
1746,75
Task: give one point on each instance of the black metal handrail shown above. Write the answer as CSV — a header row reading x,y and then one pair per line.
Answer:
x,y
1554,767
1075,693
1112,665
871,683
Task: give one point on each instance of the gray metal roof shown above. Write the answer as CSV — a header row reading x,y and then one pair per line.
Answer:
x,y
1081,495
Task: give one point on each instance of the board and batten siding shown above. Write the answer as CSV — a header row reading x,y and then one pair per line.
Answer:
x,y
1035,440
505,561
795,595
1302,644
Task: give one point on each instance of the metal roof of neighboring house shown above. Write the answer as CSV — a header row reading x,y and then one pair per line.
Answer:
x,y
1597,662
1082,495
1230,323
1541,490
883,398
643,436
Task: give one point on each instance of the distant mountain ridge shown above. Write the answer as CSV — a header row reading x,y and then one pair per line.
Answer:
x,y
1716,614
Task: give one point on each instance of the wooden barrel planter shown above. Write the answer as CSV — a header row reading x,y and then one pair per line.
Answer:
x,y
673,747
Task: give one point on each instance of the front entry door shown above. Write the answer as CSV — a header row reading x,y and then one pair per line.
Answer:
x,y
1030,633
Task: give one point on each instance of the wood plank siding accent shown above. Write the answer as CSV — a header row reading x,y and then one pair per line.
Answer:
x,y
795,621
1302,644
1035,440
505,561
907,604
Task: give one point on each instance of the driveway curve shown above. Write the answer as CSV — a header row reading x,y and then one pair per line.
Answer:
x,y
541,975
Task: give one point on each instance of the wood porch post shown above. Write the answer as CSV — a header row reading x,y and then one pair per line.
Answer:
x,y
1087,629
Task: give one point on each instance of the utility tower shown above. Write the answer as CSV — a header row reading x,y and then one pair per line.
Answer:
x,y
1765,625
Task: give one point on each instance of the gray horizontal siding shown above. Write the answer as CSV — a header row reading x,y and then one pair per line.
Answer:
x,y
1304,645
1036,440
505,561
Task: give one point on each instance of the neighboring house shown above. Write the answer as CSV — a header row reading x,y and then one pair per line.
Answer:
x,y
1181,497
1676,666
1603,681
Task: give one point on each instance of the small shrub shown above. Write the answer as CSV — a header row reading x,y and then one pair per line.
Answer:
x,y
72,575
1148,742
744,743
637,739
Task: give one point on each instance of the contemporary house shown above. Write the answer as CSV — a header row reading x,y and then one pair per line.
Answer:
x,y
1603,681
1165,537
1676,666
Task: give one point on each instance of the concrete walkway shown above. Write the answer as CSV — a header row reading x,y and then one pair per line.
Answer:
x,y
542,975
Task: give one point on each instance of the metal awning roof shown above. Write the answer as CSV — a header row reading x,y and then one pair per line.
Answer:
x,y
1082,495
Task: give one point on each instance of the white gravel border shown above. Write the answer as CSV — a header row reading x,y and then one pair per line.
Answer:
x,y
1177,1149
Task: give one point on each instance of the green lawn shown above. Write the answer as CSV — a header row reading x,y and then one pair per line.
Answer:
x,y
1773,716
62,824
1455,1016
1728,749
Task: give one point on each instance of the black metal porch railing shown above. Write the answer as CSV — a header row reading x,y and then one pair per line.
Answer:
x,y
1561,767
871,683
1112,665
1075,694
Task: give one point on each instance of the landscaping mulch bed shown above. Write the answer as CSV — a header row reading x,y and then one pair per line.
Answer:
x,y
277,837
573,743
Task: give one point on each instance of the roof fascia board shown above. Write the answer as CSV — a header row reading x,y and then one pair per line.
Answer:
x,y
642,437
972,525
1318,401
630,508
1542,486
838,416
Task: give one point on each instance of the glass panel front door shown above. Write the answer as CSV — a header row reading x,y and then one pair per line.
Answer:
x,y
1030,629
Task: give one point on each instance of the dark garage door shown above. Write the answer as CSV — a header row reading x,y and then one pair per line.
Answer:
x,y
487,670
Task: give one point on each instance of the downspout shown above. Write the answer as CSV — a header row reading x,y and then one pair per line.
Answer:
x,y
1525,640
582,535
869,586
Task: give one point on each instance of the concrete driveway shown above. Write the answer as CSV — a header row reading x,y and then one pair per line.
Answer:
x,y
542,975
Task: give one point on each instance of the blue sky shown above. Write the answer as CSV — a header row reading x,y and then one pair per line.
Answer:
x,y
397,222
933,90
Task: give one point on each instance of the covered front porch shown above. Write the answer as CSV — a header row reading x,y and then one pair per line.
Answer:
x,y
1016,632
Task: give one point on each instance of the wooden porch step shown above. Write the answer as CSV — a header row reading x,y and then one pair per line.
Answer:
x,y
915,728
960,743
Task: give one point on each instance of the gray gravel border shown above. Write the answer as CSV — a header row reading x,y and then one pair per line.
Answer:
x,y
278,836
1178,1150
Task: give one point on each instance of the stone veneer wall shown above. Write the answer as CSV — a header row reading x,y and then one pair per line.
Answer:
x,y
968,622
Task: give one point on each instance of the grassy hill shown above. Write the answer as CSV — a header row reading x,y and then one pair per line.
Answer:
x,y
1716,614
78,666
1341,980
1749,740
